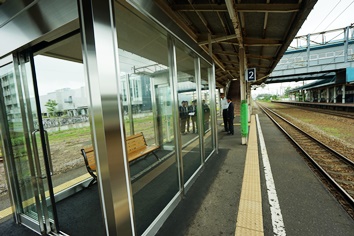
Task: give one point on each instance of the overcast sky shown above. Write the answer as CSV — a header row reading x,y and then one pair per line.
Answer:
x,y
326,15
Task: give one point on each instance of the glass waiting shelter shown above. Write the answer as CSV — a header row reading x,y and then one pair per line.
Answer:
x,y
109,76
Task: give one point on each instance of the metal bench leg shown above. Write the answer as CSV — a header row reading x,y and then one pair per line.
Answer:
x,y
92,182
156,156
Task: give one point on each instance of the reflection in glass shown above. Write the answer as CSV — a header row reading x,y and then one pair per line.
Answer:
x,y
206,100
147,100
16,145
187,100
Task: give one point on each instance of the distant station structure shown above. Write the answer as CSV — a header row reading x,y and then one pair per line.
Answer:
x,y
326,57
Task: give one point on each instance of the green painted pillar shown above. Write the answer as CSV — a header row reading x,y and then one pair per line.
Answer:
x,y
244,118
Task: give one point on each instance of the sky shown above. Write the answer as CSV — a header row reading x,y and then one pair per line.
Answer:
x,y
326,15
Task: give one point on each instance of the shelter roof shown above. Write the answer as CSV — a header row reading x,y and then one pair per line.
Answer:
x,y
263,28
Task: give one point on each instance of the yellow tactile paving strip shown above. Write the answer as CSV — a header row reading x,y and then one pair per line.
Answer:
x,y
8,211
249,217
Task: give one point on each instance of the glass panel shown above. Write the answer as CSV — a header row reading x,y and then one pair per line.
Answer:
x,y
143,60
6,75
18,152
206,100
64,107
26,174
187,100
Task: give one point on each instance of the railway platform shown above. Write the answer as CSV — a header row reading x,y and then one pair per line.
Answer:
x,y
262,188
293,199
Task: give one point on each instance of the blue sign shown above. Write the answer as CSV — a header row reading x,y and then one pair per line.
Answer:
x,y
350,75
251,74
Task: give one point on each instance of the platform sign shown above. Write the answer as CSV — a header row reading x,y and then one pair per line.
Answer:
x,y
250,74
350,75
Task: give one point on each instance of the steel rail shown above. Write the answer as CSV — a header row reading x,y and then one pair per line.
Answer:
x,y
331,180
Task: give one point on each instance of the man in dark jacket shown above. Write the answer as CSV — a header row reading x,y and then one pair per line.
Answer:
x,y
230,116
183,115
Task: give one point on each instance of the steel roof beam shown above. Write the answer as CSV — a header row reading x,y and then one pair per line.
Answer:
x,y
241,7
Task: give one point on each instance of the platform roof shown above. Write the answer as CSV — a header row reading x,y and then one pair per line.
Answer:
x,y
302,77
317,84
263,28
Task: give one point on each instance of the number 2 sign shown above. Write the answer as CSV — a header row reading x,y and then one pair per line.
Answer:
x,y
251,74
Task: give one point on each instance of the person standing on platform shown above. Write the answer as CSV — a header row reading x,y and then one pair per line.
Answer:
x,y
183,115
224,106
188,119
230,116
192,109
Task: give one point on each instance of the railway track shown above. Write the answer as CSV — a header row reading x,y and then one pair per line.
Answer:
x,y
337,169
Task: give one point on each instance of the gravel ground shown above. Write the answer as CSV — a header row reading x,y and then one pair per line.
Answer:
x,y
63,159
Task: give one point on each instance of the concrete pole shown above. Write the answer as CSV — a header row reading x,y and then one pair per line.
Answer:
x,y
327,91
334,94
343,93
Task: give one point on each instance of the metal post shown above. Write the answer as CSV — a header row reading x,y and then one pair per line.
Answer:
x,y
343,93
308,50
334,94
346,43
327,99
174,85
211,74
100,56
242,81
129,105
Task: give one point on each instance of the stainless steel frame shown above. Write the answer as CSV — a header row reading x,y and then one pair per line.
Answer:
x,y
49,226
173,81
211,75
6,151
198,79
100,53
31,18
154,112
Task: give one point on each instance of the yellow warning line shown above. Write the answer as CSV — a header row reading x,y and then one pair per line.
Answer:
x,y
250,218
8,211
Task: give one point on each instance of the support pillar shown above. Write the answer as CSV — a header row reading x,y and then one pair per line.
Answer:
x,y
334,94
327,92
249,101
343,93
100,56
242,83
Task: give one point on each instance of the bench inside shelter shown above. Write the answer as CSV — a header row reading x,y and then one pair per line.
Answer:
x,y
136,149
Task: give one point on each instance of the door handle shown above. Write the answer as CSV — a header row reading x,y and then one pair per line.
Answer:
x,y
36,155
36,159
48,152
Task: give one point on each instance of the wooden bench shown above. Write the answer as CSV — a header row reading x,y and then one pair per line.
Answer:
x,y
136,148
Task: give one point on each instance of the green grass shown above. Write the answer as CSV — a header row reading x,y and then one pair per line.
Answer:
x,y
59,136
333,131
307,120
